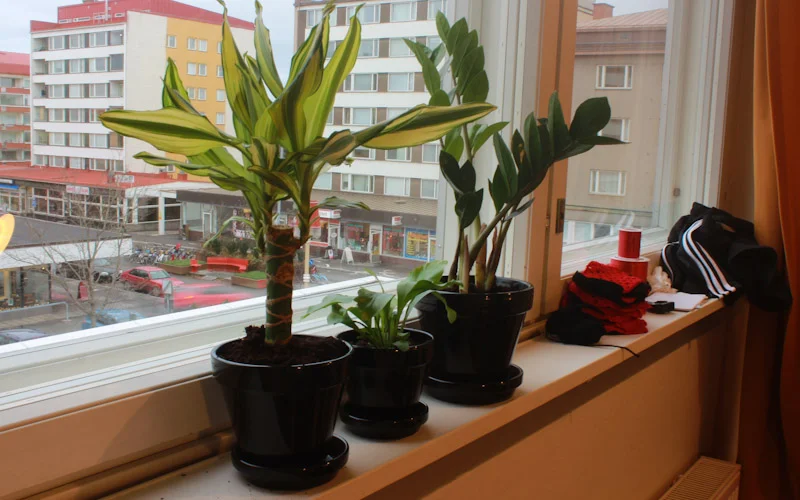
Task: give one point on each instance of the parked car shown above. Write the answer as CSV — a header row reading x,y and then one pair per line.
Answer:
x,y
14,335
111,317
147,279
103,270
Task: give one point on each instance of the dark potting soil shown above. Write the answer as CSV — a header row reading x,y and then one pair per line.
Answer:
x,y
300,350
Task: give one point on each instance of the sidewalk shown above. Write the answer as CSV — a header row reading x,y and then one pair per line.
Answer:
x,y
166,240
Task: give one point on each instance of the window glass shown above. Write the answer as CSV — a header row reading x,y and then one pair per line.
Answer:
x,y
368,14
116,89
398,48
75,115
433,41
405,11
115,37
220,95
313,17
615,77
202,70
77,66
617,128
401,82
436,6
98,64
76,41
191,68
429,189
98,90
191,43
220,72
364,82
395,112
324,181
219,47
220,119
430,152
57,42
368,48
358,183
98,141
396,186
98,39
172,41
362,116
76,140
201,94
58,138
402,154
607,182
58,67
202,45
56,115
363,153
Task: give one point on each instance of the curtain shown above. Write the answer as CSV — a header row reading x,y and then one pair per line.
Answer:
x,y
769,427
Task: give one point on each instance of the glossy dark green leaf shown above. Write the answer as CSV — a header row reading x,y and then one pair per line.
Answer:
x,y
430,74
455,147
439,98
477,89
442,26
599,140
458,31
484,134
463,47
473,63
590,118
498,190
556,126
506,164
520,209
468,207
524,167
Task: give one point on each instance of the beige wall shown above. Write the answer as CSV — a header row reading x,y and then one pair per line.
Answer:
x,y
641,105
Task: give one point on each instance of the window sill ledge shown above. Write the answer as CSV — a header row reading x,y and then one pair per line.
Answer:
x,y
551,370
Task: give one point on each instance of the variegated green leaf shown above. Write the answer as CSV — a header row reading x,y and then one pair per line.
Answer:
x,y
264,57
172,81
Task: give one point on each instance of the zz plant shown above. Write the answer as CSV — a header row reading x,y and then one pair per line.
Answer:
x,y
279,149
521,168
380,318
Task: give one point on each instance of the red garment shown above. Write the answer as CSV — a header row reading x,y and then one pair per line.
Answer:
x,y
609,307
596,270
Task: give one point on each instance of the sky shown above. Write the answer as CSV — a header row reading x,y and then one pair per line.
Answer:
x,y
278,17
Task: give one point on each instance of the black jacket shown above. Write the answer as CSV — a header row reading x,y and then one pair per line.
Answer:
x,y
714,253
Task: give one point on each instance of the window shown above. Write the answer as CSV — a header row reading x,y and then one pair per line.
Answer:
x,y
98,141
94,115
58,138
433,41
220,72
202,70
116,89
77,66
190,91
436,6
369,14
115,140
402,154
360,116
609,182
191,69
76,116
330,118
98,39
116,62
618,128
191,43
614,77
172,41
220,118
313,17
76,163
358,183
57,42
219,47
77,91
58,161
76,41
398,48
220,95
396,186
324,181
76,140
57,91
202,45
55,115
364,82
368,48
58,67
395,112
115,37
405,11
98,90
429,189
98,164
117,165
201,94
401,82
363,153
98,64
430,152
332,45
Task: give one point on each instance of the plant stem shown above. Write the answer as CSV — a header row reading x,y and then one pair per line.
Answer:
x,y
454,265
279,258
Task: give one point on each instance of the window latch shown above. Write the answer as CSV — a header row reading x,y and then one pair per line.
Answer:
x,y
561,209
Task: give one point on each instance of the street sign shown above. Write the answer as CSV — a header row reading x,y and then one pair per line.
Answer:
x,y
124,179
168,288
84,190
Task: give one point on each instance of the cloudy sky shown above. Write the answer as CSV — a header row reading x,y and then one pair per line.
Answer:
x,y
278,16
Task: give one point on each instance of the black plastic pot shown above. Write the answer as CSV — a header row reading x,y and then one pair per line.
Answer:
x,y
384,386
283,414
473,354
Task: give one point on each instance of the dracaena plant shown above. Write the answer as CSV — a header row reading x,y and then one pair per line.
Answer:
x,y
279,150
379,318
521,168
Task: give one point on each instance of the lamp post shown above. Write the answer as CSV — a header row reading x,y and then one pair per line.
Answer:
x,y
307,264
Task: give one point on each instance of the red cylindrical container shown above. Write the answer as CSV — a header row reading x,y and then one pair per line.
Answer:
x,y
630,242
634,267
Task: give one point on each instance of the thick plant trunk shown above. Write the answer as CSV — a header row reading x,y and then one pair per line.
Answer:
x,y
279,258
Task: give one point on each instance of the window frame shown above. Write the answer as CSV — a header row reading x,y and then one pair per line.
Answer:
x,y
594,182
600,77
375,48
172,41
219,121
407,155
370,150
411,80
436,183
222,93
625,129
375,8
350,79
327,186
406,186
348,113
401,40
412,5
438,151
349,178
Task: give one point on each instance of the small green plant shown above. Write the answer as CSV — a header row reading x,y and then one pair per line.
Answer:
x,y
379,318
214,246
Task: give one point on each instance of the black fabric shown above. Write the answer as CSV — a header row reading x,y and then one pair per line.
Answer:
x,y
714,253
571,325
611,291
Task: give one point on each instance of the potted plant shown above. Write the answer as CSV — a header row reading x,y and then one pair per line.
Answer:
x,y
472,356
282,391
390,361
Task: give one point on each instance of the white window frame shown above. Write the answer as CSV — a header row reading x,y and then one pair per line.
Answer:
x,y
58,67
321,183
331,118
361,148
594,182
93,65
172,42
600,77
220,119
348,82
219,47
438,149
313,17
52,45
393,151
191,44
202,69
93,38
220,95
191,69
406,186
79,37
625,129
432,12
400,42
348,113
94,86
375,48
412,8
410,82
202,94
347,180
202,45
435,189
191,92
220,72
374,8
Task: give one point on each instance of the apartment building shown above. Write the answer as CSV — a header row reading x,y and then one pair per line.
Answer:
x,y
15,135
102,55
401,186
621,58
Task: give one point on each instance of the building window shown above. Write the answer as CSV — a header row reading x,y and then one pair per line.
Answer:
x,y
614,77
97,164
369,14
396,186
58,138
219,47
368,48
190,92
77,90
436,6
403,11
98,90
57,91
430,152
220,72
57,42
330,118
76,140
433,41
201,94
98,65
618,128
313,17
392,113
98,141
117,165
116,89
401,82
191,43
76,41
398,48
202,45
76,116
324,181
58,161
402,154
99,39
363,153
607,182
220,95
429,189
172,41
360,116
76,163
55,115
94,115
77,66
332,46
364,82
116,62
358,183
220,118
58,67
202,70
115,37
191,69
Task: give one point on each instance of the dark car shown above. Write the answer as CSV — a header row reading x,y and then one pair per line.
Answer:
x,y
103,270
15,335
148,279
111,317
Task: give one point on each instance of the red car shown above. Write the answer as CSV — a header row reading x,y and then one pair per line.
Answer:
x,y
147,279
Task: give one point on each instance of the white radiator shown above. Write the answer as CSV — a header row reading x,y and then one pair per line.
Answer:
x,y
707,479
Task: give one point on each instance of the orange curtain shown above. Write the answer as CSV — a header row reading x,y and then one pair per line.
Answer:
x,y
769,443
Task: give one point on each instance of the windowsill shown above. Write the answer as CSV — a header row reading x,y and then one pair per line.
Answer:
x,y
551,370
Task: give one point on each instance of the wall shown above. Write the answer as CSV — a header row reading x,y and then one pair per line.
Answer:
x,y
624,435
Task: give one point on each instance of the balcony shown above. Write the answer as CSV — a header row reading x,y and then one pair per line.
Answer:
x,y
15,146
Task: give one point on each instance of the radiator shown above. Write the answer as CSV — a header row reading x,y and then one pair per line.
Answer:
x,y
707,479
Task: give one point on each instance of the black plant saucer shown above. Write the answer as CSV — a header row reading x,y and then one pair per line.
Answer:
x,y
295,472
475,392
384,423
